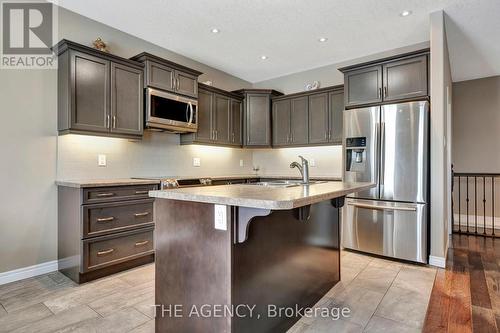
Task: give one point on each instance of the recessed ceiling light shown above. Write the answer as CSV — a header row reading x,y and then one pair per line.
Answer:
x,y
405,13
322,39
215,31
264,57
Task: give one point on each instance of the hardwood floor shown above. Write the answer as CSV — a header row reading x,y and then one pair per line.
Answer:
x,y
466,295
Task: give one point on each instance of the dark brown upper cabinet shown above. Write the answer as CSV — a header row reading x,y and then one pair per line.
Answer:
x,y
299,121
257,116
336,116
363,86
219,118
98,93
394,79
169,76
281,122
309,118
319,118
236,122
405,79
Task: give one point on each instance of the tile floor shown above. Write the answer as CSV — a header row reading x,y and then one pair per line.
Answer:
x,y
383,296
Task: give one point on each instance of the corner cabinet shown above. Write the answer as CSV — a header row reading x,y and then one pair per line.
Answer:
x,y
257,116
397,79
219,118
168,76
98,93
308,119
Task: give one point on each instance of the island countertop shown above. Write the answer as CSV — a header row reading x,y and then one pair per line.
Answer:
x,y
266,197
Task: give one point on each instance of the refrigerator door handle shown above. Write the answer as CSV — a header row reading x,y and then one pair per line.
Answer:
x,y
382,154
376,207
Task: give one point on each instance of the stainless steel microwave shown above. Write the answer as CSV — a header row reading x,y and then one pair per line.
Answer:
x,y
171,112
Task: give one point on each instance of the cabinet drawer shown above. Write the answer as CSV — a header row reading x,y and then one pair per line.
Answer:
x,y
101,219
117,248
108,194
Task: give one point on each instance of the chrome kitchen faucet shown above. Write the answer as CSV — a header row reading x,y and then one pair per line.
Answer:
x,y
304,169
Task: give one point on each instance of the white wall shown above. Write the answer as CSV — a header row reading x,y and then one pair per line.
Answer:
x,y
328,160
328,75
158,154
441,92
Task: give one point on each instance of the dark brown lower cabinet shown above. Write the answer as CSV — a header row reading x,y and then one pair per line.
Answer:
x,y
104,230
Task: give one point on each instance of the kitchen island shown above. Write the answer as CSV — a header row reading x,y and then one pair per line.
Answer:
x,y
229,257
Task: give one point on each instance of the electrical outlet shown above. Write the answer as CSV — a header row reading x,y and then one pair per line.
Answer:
x,y
196,161
220,216
101,160
241,163
312,162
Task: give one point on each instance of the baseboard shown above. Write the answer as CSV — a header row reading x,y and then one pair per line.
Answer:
x,y
27,272
437,261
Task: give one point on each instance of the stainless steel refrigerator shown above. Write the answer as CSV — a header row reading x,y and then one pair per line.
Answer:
x,y
388,145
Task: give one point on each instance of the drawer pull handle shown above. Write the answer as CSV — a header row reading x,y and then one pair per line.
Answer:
x,y
105,219
141,243
141,214
141,192
102,253
102,195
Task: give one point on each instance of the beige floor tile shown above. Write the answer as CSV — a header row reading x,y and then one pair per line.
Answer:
x,y
355,260
347,274
147,307
383,325
374,278
405,306
361,301
123,299
3,312
386,264
297,328
59,321
327,325
139,275
85,293
18,287
324,303
121,321
148,327
418,279
33,292
23,317
339,288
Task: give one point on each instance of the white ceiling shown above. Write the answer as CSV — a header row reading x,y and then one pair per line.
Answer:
x,y
287,31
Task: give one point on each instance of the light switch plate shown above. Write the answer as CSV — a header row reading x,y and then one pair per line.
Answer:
x,y
241,163
312,162
196,161
101,160
220,216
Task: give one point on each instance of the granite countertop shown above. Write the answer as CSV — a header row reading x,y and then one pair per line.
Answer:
x,y
82,183
255,196
105,182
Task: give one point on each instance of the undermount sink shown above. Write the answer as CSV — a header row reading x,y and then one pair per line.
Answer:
x,y
286,183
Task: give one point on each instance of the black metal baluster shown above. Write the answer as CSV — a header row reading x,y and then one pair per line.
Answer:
x,y
484,205
459,206
493,205
475,205
467,201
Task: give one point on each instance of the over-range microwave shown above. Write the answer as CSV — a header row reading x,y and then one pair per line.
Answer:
x,y
171,112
